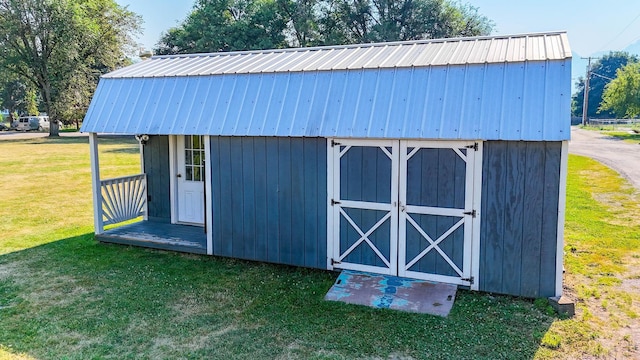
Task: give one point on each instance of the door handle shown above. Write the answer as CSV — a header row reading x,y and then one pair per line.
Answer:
x,y
179,175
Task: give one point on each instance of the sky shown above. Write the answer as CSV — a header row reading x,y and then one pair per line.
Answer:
x,y
592,26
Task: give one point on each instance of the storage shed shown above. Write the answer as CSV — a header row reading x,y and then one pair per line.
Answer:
x,y
442,160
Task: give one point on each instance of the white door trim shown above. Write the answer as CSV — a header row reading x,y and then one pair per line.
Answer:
x,y
208,194
173,184
477,201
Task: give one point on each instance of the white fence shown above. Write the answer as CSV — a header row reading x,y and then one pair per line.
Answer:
x,y
613,121
123,198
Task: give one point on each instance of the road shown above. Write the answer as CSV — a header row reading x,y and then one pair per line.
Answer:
x,y
19,135
621,156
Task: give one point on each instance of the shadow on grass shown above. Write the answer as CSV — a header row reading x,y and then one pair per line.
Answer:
x,y
76,298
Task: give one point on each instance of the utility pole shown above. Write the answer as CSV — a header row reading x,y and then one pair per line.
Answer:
x,y
585,100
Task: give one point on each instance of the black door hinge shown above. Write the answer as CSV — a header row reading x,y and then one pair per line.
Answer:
x,y
333,262
333,202
472,213
474,146
469,279
334,143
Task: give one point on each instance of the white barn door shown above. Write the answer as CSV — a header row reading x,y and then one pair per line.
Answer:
x,y
190,179
364,204
436,210
404,207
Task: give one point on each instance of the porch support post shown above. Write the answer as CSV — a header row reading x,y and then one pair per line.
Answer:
x,y
95,184
145,217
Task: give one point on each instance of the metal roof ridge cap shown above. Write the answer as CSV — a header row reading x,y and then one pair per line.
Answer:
x,y
376,44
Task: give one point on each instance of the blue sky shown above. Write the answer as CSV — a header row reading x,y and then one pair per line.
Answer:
x,y
593,26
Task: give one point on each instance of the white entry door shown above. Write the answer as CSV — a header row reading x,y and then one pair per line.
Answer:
x,y
404,208
190,175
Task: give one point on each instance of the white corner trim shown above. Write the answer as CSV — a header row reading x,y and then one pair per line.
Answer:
x,y
209,196
562,202
95,184
330,222
477,205
173,186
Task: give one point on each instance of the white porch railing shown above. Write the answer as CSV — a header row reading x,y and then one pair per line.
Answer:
x,y
123,198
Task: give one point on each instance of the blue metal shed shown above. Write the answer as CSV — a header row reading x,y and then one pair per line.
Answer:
x,y
442,160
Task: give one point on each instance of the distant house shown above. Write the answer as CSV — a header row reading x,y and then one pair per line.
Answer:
x,y
442,160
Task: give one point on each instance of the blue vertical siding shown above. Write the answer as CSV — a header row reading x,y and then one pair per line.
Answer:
x,y
156,166
269,199
520,184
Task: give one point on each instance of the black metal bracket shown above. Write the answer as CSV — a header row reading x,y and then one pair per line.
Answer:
x,y
474,146
334,143
472,213
333,202
469,279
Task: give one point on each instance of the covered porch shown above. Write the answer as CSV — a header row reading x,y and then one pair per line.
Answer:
x,y
157,235
121,212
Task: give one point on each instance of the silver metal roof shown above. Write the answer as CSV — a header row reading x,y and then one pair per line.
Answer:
x,y
459,51
360,93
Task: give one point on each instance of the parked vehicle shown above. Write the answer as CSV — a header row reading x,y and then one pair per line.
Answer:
x,y
4,127
27,123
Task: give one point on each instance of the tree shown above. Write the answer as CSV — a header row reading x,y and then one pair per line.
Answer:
x,y
13,94
622,94
602,71
399,20
225,25
31,102
59,45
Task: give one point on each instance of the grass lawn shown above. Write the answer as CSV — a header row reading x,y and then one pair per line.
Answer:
x,y
628,133
63,295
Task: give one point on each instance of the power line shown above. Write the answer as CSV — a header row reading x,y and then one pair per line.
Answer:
x,y
620,33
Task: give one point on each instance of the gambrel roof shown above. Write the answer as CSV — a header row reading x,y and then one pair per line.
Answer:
x,y
501,87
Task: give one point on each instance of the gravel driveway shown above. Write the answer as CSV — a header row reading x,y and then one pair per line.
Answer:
x,y
621,156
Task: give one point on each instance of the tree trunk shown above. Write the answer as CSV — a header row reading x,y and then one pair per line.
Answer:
x,y
54,127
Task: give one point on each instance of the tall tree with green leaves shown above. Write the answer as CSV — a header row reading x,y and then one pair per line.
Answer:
x,y
59,45
602,71
622,94
226,25
13,93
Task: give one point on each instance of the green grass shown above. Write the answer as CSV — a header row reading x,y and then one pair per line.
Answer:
x,y
63,295
629,133
626,136
602,244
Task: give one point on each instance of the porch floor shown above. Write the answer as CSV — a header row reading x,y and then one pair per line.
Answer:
x,y
157,235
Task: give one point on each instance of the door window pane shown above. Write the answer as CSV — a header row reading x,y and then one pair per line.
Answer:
x,y
194,157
